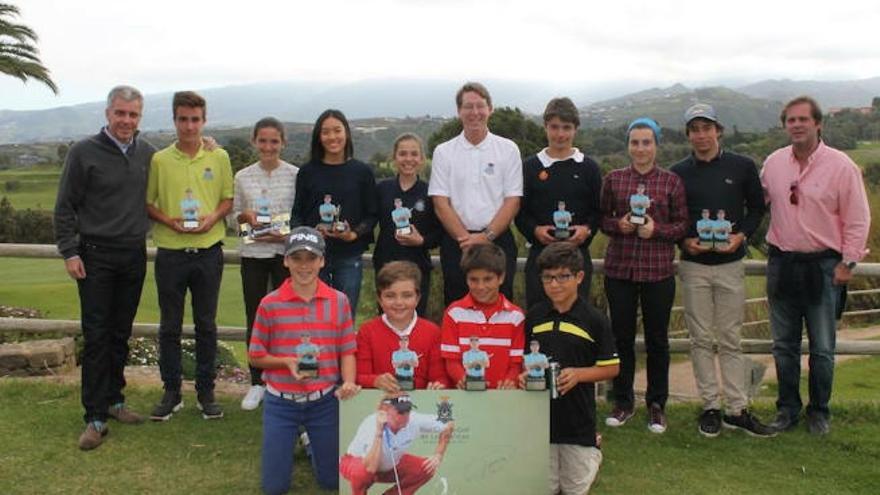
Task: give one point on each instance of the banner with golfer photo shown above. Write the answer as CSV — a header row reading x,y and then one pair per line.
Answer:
x,y
444,442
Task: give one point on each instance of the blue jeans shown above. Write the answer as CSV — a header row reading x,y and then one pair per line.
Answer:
x,y
344,274
787,318
281,421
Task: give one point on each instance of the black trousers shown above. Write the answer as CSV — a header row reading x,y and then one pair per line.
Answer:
x,y
424,288
534,287
200,272
624,297
454,283
109,298
259,276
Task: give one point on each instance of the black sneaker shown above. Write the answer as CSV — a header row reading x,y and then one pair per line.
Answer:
x,y
210,409
783,422
747,422
818,424
172,402
710,423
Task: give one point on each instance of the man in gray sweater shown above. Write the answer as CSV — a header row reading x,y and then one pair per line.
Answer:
x,y
100,229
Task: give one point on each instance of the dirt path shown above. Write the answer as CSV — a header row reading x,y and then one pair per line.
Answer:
x,y
681,376
682,386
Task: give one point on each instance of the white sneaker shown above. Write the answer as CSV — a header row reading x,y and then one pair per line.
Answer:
x,y
253,397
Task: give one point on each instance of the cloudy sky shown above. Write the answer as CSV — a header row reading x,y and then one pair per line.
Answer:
x,y
164,45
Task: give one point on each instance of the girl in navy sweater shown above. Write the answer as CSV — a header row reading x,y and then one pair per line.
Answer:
x,y
332,171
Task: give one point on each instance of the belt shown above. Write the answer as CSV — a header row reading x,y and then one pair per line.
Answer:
x,y
193,250
301,397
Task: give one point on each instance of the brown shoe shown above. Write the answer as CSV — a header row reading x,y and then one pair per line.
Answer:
x,y
125,415
91,438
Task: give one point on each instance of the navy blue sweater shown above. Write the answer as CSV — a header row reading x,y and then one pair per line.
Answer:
x,y
416,198
352,186
728,182
578,184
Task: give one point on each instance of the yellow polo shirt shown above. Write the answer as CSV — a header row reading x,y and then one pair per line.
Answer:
x,y
172,172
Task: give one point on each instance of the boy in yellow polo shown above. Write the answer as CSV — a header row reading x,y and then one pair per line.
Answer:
x,y
189,192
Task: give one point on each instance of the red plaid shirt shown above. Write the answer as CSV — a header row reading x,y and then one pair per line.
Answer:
x,y
629,257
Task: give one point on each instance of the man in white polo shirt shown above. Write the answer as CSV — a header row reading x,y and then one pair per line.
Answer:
x,y
378,451
476,184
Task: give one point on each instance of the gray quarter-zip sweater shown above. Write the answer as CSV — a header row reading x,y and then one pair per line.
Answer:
x,y
102,195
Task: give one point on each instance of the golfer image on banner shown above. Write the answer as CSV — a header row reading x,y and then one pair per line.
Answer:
x,y
378,452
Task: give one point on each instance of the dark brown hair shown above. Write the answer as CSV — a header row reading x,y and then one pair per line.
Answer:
x,y
487,257
564,109
189,99
561,255
270,122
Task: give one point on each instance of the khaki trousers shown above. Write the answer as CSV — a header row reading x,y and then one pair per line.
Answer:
x,y
573,468
714,302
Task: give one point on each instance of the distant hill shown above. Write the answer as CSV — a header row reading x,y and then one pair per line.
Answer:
x,y
667,106
751,107
857,93
297,101
371,136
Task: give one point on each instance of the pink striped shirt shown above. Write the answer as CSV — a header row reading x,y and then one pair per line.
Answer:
x,y
832,210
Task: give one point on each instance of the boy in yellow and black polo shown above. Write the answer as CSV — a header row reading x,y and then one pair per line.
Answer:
x,y
189,192
574,334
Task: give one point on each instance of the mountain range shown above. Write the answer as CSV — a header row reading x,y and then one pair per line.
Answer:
x,y
750,107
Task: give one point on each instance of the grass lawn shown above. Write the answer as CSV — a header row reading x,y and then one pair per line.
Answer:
x,y
866,152
854,380
33,188
40,422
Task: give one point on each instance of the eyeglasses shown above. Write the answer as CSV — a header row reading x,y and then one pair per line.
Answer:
x,y
793,197
561,278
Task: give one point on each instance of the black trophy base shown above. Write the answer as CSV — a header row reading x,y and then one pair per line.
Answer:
x,y
561,234
706,244
536,384
637,220
404,231
474,384
307,370
190,224
405,382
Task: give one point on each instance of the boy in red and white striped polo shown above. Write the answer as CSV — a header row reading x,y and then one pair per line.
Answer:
x,y
484,313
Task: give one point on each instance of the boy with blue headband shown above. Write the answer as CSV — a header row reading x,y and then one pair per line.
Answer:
x,y
639,268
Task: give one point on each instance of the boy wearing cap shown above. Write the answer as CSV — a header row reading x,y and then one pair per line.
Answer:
x,y
303,305
713,280
485,314
574,334
378,452
380,339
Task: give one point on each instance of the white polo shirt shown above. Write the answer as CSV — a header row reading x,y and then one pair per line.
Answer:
x,y
393,444
476,178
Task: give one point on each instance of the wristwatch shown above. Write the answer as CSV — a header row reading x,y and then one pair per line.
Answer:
x,y
490,234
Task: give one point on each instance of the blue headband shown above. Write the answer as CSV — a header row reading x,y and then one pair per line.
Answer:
x,y
645,122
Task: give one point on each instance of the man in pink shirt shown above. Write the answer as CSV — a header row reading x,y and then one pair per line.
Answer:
x,y
819,219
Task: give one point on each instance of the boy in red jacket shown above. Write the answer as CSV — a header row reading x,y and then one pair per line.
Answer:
x,y
397,287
